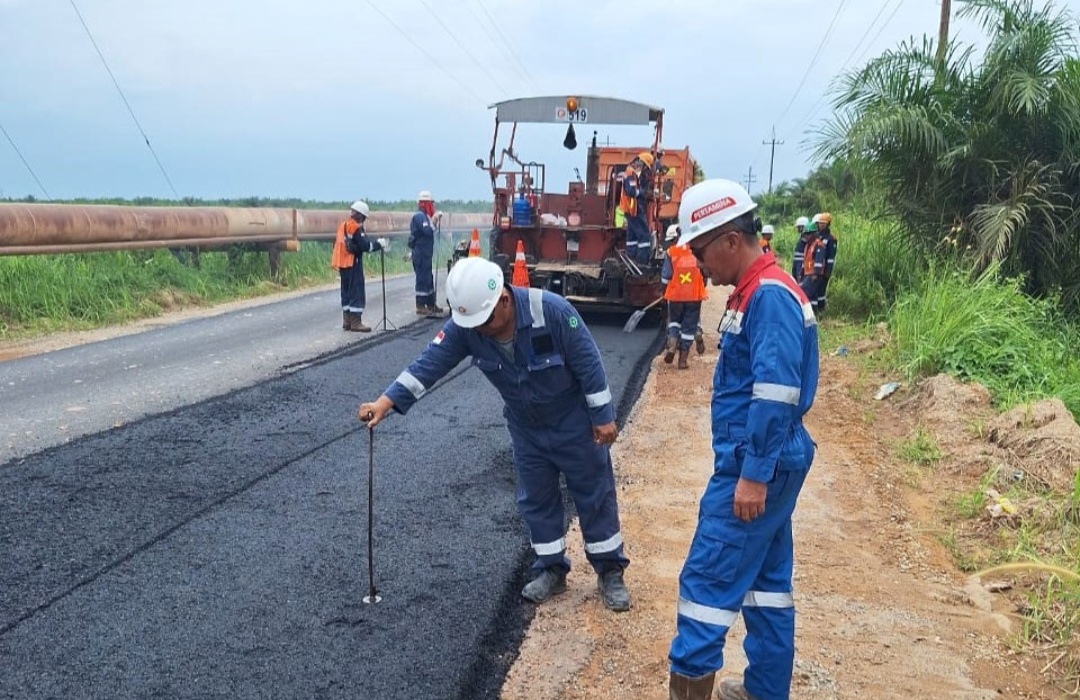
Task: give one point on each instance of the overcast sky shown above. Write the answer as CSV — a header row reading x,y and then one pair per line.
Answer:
x,y
326,99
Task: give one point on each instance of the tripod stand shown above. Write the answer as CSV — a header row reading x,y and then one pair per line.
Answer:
x,y
385,323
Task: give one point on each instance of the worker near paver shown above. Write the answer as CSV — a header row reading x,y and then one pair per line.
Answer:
x,y
797,259
637,180
740,559
766,238
828,240
348,259
684,290
422,246
807,234
537,352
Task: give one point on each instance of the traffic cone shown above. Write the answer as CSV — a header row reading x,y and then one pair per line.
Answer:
x,y
474,244
521,271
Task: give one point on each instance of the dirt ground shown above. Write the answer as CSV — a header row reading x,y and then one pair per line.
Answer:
x,y
882,611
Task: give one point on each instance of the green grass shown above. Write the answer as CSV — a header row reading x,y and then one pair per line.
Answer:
x,y
921,449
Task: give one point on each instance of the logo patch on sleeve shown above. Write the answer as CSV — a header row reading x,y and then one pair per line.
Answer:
x,y
439,338
573,322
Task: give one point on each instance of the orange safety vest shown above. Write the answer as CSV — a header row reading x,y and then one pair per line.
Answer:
x,y
766,247
687,284
627,203
341,258
808,255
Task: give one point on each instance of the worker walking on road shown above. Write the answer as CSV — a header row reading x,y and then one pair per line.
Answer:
x,y
422,246
741,556
348,259
537,352
684,291
636,183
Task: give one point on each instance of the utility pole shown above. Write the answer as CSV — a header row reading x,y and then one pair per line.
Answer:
x,y
772,155
750,178
943,31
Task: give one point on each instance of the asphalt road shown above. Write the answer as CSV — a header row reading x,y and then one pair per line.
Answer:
x,y
218,549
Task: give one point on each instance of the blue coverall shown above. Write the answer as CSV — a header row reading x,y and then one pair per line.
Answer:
x,y
684,317
422,244
638,237
555,390
353,284
829,240
764,383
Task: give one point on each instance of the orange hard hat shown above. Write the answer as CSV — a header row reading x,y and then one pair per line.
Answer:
x,y
646,158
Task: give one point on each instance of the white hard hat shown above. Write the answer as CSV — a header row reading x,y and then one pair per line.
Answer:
x,y
672,232
709,205
360,208
817,218
802,221
767,228
425,196
473,287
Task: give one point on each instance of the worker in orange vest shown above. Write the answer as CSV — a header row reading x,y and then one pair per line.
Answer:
x,y
636,183
766,238
684,292
348,259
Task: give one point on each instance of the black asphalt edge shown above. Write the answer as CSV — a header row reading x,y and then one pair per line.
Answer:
x,y
501,643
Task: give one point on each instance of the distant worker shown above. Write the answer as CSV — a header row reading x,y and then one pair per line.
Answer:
x,y
807,232
348,259
828,239
741,557
422,244
537,352
637,181
813,270
766,238
684,290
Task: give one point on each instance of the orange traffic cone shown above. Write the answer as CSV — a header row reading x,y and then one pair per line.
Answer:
x,y
521,271
474,244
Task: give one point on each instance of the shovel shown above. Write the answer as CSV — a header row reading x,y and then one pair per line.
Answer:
x,y
635,318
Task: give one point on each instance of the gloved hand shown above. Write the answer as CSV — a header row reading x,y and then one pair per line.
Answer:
x,y
375,245
384,243
438,215
408,256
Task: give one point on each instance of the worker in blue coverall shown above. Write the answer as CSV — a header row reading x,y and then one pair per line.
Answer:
x,y
637,180
802,225
741,556
537,352
421,245
828,243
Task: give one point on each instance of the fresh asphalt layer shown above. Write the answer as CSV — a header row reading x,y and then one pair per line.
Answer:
x,y
219,550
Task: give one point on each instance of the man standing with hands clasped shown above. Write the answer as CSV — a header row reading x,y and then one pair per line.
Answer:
x,y
741,556
537,352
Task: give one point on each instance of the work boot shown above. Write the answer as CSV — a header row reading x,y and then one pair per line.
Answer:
x,y
358,325
699,342
683,354
669,350
550,581
436,310
423,310
686,688
345,320
732,689
612,589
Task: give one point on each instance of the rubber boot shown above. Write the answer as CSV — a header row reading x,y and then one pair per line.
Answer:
x,y
550,581
357,324
684,353
669,350
732,689
699,342
346,319
686,688
613,589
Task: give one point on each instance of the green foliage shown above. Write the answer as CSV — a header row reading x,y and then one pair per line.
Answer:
x,y
984,153
921,449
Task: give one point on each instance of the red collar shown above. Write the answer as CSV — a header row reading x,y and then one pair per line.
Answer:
x,y
751,276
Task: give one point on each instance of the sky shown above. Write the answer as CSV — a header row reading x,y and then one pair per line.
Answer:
x,y
343,99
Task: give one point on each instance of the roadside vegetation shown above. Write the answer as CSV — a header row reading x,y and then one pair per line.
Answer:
x,y
953,184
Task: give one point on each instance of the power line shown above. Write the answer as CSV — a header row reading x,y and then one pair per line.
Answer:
x,y
504,50
19,153
502,38
813,61
122,97
464,48
887,22
422,50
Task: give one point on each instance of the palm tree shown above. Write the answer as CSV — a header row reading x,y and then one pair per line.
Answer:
x,y
985,153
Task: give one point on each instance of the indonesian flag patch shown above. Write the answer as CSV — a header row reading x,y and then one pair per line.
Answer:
x,y
439,338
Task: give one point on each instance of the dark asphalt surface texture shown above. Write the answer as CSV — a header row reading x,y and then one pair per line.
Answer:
x,y
219,550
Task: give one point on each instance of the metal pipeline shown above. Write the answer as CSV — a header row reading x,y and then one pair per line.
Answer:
x,y
27,229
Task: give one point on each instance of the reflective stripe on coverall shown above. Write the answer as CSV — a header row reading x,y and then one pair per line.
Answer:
x,y
555,391
765,381
634,204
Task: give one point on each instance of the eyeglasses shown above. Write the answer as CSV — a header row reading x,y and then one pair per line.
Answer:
x,y
699,252
491,318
